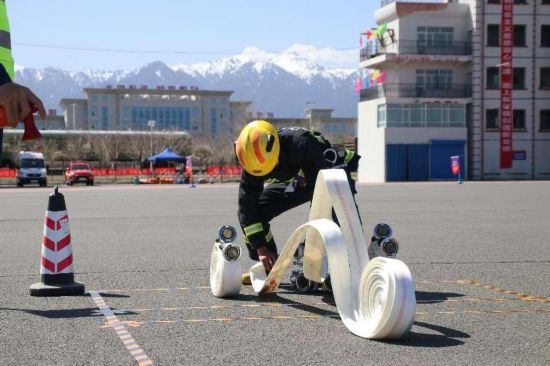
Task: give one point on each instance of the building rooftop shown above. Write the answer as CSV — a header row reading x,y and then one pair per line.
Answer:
x,y
69,101
159,90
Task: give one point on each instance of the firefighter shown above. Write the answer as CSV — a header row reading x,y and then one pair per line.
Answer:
x,y
289,161
14,98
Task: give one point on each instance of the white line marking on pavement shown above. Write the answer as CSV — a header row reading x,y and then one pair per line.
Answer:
x,y
129,342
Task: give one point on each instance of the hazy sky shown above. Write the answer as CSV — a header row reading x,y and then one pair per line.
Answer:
x,y
178,31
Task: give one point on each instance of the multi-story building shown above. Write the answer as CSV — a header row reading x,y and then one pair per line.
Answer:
x,y
441,96
200,112
336,129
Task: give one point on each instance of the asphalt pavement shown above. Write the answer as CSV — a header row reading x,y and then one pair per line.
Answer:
x,y
479,253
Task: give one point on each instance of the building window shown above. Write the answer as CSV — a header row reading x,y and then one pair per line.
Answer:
x,y
213,122
491,119
545,119
493,35
414,115
545,35
104,118
105,99
518,79
519,119
545,77
545,2
493,77
519,35
435,37
434,79
382,115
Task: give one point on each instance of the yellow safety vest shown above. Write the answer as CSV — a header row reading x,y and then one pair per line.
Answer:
x,y
6,57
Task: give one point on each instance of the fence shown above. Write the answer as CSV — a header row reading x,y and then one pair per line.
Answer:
x,y
100,172
224,170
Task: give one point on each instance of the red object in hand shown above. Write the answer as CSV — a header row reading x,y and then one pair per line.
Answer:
x,y
31,132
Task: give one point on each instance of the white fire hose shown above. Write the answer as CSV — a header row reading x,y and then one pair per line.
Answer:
x,y
375,299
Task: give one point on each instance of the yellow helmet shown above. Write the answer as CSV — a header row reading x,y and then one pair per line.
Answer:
x,y
257,148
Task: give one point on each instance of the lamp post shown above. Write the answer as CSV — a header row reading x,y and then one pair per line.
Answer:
x,y
308,109
151,124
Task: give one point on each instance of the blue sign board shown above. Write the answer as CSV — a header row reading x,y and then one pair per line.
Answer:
x,y
519,155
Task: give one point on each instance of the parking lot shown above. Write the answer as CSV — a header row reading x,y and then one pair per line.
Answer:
x,y
479,253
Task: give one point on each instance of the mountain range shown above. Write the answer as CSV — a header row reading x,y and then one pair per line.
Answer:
x,y
279,83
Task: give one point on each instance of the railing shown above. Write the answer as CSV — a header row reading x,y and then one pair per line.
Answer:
x,y
411,90
417,47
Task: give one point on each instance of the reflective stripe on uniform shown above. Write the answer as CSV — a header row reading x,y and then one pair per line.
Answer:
x,y
317,136
253,229
349,155
269,236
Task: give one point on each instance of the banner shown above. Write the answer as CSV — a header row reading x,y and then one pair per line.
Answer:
x,y
189,165
506,84
455,165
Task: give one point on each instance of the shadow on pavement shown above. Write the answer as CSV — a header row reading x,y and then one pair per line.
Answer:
x,y
109,294
274,297
66,313
446,338
425,297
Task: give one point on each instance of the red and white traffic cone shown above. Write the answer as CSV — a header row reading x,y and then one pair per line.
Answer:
x,y
56,261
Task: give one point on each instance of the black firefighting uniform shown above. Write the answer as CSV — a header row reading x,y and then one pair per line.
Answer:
x,y
290,184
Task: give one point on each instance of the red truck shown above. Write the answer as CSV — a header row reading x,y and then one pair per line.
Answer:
x,y
79,172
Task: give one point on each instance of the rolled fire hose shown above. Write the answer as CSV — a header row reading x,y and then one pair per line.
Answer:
x,y
225,275
375,299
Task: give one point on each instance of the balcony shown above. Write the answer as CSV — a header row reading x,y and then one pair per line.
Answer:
x,y
411,90
417,47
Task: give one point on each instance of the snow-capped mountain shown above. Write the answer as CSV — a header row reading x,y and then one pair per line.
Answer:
x,y
280,83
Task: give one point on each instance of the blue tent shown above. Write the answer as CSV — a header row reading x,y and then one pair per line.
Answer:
x,y
167,155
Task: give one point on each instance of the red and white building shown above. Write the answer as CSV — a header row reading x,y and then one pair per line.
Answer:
x,y
466,77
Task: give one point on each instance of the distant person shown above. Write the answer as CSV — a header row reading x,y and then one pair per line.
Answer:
x,y
289,161
14,98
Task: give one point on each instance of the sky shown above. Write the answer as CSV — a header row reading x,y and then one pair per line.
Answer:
x,y
181,31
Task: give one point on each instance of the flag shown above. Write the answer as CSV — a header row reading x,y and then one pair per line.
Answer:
x,y
379,32
370,35
189,165
382,77
455,165
374,76
358,85
361,40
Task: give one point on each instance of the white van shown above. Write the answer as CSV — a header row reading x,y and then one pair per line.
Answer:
x,y
31,168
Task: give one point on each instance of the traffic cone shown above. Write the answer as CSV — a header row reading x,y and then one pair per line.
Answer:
x,y
56,261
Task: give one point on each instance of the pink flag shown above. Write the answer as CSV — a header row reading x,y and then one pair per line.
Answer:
x,y
381,77
358,85
189,165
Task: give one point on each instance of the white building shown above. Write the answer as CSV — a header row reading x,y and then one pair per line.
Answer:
x,y
441,61
199,112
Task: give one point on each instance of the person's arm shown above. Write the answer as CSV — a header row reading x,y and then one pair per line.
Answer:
x,y
250,189
314,158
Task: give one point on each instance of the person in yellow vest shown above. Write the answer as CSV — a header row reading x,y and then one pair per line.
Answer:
x,y
14,98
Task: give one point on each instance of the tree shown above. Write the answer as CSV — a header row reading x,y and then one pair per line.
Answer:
x,y
204,153
137,148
